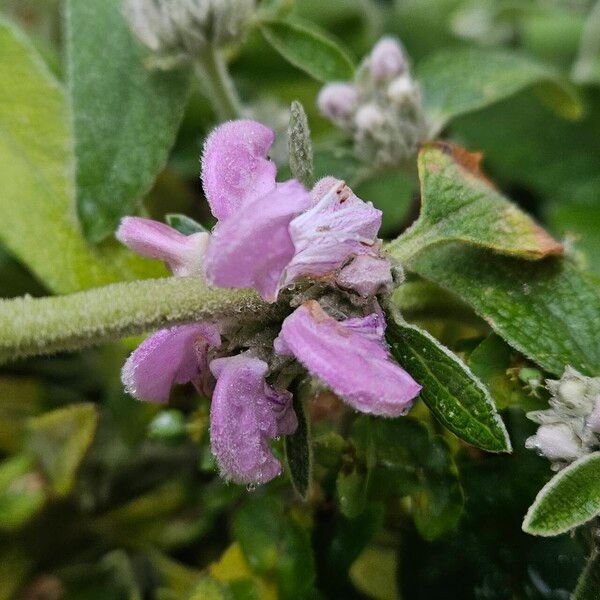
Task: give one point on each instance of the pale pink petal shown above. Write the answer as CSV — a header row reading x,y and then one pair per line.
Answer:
x,y
170,356
184,254
366,275
245,414
253,249
338,226
235,167
387,59
353,363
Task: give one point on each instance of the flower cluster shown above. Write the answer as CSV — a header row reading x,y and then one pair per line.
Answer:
x,y
570,428
182,28
381,108
271,236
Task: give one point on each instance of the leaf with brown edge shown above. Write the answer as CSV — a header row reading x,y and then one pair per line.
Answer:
x,y
459,204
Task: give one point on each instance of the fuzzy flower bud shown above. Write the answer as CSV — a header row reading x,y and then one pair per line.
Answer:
x,y
387,59
557,442
570,427
182,28
337,101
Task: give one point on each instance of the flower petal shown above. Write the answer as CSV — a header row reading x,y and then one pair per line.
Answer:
x,y
253,249
245,414
235,168
366,275
170,356
338,226
350,357
184,254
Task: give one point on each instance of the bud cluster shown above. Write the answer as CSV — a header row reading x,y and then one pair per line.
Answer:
x,y
570,428
179,29
381,107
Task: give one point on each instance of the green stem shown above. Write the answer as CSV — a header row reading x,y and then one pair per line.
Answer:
x,y
34,326
216,81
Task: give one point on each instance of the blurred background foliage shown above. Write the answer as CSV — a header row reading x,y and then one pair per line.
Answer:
x,y
104,497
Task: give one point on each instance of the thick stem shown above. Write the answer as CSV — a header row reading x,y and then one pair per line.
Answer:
x,y
216,81
34,326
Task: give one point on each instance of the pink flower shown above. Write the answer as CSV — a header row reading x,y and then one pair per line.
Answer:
x,y
338,101
387,59
184,254
170,356
245,414
338,226
350,357
366,274
251,245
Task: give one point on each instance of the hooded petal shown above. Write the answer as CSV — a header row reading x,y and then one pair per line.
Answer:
x,y
350,357
184,254
338,226
170,356
253,249
366,275
235,168
245,414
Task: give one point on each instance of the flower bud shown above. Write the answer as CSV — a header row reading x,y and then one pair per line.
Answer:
x,y
593,421
402,90
387,59
182,28
556,441
337,101
369,118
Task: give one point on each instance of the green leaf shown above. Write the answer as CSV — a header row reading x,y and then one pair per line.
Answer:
x,y
22,493
410,462
184,224
589,582
456,82
309,49
125,116
455,396
587,66
351,486
37,201
298,451
374,572
460,204
275,545
548,310
569,499
300,146
60,439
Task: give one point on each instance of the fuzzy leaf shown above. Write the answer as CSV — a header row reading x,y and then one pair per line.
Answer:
x,y
455,396
300,146
309,49
37,201
298,451
456,82
548,310
60,439
125,115
569,499
589,582
460,204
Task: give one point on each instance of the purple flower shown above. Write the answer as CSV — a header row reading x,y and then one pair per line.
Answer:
x,y
235,167
246,413
170,356
338,226
366,275
184,254
387,59
252,248
251,244
350,357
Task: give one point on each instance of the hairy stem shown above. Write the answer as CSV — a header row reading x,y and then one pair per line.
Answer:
x,y
216,81
35,326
